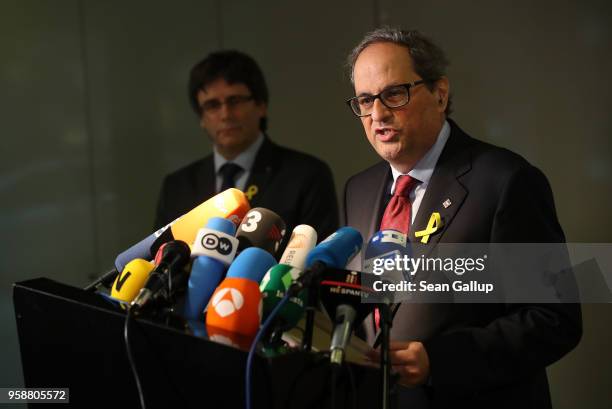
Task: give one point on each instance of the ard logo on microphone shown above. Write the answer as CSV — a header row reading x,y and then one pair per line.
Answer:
x,y
213,242
227,301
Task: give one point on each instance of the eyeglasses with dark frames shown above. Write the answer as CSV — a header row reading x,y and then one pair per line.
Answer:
x,y
213,106
394,96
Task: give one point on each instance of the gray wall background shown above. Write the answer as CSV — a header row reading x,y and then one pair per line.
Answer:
x,y
94,112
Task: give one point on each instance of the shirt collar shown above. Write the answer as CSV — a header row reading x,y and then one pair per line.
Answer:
x,y
425,166
245,159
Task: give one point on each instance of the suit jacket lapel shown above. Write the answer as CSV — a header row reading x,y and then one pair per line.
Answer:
x,y
204,180
366,203
374,202
445,194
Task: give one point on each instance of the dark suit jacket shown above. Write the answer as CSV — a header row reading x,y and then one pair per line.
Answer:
x,y
481,355
297,186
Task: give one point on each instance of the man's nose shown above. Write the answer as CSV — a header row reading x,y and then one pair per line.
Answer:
x,y
379,111
226,110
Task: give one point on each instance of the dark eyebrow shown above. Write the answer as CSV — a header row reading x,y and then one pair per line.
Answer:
x,y
367,94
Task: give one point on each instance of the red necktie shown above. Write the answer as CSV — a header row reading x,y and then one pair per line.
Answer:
x,y
399,210
398,215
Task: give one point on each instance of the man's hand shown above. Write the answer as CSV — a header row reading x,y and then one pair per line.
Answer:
x,y
408,359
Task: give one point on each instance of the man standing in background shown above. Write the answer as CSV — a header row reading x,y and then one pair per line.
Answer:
x,y
228,92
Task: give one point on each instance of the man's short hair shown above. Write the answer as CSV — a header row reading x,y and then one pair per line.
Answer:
x,y
429,61
234,67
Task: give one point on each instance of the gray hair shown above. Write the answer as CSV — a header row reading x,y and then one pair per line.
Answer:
x,y
429,61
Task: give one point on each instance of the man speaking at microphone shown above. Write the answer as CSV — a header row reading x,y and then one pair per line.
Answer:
x,y
451,355
228,93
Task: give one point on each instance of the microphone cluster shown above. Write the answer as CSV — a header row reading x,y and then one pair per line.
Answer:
x,y
220,260
216,267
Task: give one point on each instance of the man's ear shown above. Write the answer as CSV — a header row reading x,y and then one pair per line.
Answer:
x,y
442,91
262,107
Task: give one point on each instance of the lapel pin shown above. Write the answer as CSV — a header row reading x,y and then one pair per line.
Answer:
x,y
251,191
434,224
447,203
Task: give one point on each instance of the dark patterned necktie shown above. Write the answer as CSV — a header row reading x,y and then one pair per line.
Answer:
x,y
228,174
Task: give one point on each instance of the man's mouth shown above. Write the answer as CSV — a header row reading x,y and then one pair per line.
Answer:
x,y
385,134
228,129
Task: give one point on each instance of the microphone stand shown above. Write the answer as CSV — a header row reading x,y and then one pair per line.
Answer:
x,y
310,316
105,279
385,328
309,279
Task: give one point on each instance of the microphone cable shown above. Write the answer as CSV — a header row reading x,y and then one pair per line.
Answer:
x,y
335,375
334,381
129,317
351,377
262,330
130,353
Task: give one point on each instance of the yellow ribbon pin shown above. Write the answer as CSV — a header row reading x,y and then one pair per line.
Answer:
x,y
251,191
435,223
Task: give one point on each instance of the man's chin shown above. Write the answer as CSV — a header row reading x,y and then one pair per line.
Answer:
x,y
231,145
229,135
229,140
390,153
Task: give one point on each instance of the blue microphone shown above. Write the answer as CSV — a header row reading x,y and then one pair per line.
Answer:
x,y
252,264
214,249
387,245
336,250
146,248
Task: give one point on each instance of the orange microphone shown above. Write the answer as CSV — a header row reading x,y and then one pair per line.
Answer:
x,y
232,339
236,304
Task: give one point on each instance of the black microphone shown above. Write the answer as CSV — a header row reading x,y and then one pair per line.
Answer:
x,y
348,302
166,276
261,228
